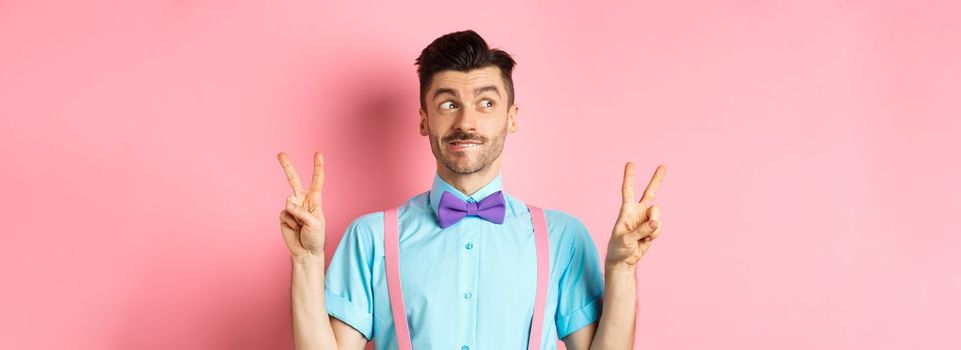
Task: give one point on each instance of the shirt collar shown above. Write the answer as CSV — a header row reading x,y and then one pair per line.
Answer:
x,y
439,186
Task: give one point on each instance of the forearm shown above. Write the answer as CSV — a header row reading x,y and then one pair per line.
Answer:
x,y
616,327
311,322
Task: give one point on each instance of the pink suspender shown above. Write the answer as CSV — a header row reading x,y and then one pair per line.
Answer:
x,y
543,267
392,256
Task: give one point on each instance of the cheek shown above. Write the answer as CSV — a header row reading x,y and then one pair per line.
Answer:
x,y
496,128
435,130
446,127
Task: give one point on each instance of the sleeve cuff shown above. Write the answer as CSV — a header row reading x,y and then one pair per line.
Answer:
x,y
349,313
579,318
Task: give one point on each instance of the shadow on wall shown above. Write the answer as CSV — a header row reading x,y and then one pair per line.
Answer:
x,y
382,132
383,161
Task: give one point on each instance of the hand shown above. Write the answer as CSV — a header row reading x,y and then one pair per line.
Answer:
x,y
302,220
638,223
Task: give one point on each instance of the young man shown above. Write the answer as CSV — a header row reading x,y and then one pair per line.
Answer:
x,y
468,263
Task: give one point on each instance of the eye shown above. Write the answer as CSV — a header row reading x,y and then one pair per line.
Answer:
x,y
448,105
487,104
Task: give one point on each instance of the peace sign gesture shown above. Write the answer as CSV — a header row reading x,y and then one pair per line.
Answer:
x,y
302,220
638,223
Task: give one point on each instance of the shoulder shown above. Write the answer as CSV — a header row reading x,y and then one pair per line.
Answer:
x,y
562,218
362,235
568,231
564,223
560,224
368,222
556,219
368,228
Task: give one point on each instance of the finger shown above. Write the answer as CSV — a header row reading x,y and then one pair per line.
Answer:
x,y
291,173
645,230
290,236
317,183
301,214
654,213
313,202
652,186
296,200
653,234
627,187
288,219
657,232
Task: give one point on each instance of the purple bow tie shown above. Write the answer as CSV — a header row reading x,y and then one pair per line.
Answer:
x,y
452,209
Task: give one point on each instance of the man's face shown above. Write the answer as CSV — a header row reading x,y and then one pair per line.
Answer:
x,y
466,117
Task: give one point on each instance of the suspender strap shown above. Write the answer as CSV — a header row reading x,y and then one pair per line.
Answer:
x,y
543,267
392,256
392,264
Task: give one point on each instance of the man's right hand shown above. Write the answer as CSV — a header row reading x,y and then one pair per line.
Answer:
x,y
302,220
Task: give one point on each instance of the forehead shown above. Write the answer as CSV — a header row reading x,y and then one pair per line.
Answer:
x,y
465,82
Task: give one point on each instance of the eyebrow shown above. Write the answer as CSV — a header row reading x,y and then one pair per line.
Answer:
x,y
477,91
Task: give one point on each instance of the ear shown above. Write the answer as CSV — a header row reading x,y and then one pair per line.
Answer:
x,y
423,122
512,118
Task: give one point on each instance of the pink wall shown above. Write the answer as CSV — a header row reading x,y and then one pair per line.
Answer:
x,y
811,200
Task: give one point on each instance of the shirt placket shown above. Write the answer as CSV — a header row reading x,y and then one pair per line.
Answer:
x,y
467,287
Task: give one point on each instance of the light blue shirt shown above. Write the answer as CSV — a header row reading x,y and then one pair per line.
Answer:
x,y
470,286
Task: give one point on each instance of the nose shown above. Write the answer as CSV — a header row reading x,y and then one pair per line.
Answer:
x,y
467,120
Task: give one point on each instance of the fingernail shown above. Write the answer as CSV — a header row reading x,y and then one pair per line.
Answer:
x,y
653,224
290,205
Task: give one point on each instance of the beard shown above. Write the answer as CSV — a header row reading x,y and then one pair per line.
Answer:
x,y
467,161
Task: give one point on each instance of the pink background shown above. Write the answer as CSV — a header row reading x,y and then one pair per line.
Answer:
x,y
811,199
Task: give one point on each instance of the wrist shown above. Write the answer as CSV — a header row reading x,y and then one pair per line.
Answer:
x,y
307,259
617,268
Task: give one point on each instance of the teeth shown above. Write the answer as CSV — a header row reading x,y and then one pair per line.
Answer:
x,y
466,145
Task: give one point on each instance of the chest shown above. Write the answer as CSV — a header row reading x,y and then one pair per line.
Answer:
x,y
468,279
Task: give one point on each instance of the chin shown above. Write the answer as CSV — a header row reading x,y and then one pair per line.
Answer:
x,y
469,168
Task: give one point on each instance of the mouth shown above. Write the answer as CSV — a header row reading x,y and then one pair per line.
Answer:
x,y
463,145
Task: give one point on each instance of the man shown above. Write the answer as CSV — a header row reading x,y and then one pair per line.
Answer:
x,y
468,280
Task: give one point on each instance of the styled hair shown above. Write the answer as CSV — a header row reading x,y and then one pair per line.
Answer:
x,y
462,51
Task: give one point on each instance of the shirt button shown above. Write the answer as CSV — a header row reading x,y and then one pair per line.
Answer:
x,y
465,347
467,295
469,245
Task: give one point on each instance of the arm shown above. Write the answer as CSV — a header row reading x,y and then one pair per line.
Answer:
x,y
615,329
638,224
302,226
311,323
313,328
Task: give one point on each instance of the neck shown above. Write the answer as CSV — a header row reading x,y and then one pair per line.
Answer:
x,y
469,183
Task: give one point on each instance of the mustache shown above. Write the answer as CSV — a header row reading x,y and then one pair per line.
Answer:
x,y
463,136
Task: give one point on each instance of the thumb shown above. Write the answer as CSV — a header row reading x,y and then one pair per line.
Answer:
x,y
646,229
301,214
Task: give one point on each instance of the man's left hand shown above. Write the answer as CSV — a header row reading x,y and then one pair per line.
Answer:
x,y
638,223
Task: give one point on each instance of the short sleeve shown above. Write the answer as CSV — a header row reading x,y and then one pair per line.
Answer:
x,y
581,285
348,291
